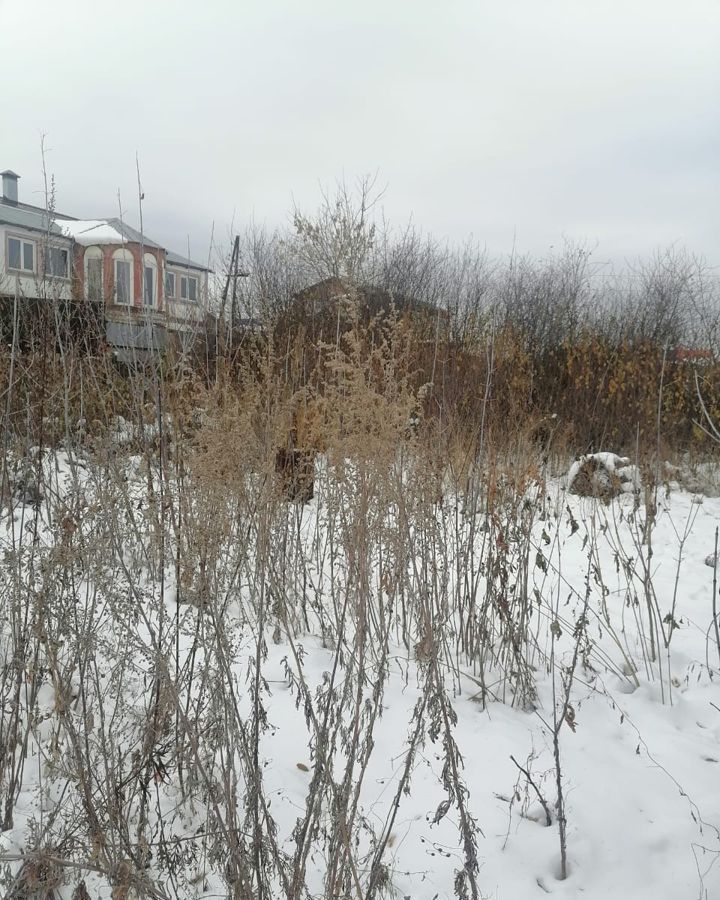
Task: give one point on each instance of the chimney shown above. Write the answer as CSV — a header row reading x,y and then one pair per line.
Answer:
x,y
10,187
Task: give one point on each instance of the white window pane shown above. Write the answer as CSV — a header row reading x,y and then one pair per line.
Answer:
x,y
149,285
28,256
94,279
13,253
57,262
122,281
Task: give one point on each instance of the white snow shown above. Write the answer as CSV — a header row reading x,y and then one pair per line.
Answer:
x,y
611,463
641,768
92,231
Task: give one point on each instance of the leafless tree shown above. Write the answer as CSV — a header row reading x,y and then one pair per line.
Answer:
x,y
336,241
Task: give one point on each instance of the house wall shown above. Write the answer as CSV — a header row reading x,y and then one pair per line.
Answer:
x,y
128,326
32,285
186,315
149,334
136,251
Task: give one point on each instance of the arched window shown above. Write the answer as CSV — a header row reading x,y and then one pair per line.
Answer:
x,y
123,264
150,280
94,281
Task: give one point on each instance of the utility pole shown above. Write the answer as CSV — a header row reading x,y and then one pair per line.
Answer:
x,y
233,274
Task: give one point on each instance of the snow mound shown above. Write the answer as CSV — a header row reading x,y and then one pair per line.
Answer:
x,y
602,475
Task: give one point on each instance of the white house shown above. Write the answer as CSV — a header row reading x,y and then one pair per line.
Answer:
x,y
149,294
35,254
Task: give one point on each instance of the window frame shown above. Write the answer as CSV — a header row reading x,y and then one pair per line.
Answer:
x,y
129,300
47,256
9,236
93,254
187,278
150,264
170,295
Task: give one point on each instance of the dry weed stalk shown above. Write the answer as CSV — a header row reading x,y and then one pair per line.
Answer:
x,y
143,583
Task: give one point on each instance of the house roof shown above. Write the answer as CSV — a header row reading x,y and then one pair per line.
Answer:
x,y
182,262
131,235
105,231
86,231
114,231
30,219
93,231
323,293
375,299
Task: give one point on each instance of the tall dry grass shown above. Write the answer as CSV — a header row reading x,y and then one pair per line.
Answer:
x,y
151,557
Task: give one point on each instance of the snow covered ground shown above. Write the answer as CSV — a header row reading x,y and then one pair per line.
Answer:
x,y
638,740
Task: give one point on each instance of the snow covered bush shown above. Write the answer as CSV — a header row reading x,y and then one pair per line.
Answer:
x,y
602,475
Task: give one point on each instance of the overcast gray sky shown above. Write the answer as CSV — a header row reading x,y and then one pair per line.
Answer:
x,y
524,120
